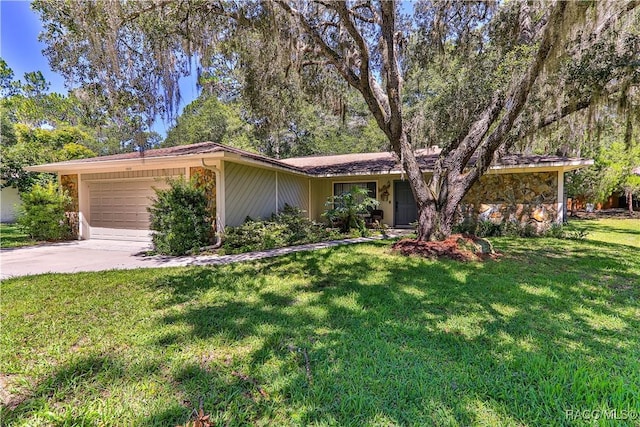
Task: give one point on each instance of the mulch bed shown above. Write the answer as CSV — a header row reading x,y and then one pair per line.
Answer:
x,y
458,247
616,213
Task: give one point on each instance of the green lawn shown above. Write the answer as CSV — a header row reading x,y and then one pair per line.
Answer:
x,y
345,336
11,237
620,231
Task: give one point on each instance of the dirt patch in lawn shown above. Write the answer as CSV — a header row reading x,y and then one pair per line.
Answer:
x,y
458,247
10,395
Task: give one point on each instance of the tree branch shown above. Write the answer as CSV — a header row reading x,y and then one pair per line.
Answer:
x,y
334,57
516,99
392,72
135,15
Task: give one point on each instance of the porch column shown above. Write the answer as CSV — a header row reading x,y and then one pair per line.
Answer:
x,y
560,218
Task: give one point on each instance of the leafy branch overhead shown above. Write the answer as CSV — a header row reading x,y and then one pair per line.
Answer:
x,y
473,77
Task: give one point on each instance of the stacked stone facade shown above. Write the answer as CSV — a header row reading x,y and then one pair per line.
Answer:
x,y
527,198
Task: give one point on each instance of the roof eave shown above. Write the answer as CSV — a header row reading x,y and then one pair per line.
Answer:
x,y
563,165
71,166
138,161
276,164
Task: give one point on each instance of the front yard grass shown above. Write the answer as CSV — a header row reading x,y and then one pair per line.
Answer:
x,y
345,336
610,230
12,237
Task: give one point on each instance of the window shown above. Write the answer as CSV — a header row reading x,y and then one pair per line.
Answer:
x,y
344,187
340,188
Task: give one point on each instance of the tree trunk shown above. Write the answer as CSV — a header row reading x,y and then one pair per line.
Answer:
x,y
433,223
437,202
630,202
437,215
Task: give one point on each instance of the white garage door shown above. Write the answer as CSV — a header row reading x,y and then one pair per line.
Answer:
x,y
118,209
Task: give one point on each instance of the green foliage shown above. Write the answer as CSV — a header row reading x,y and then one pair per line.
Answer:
x,y
631,186
11,236
347,210
180,218
612,171
81,114
42,214
310,129
575,234
73,151
286,228
515,229
205,119
486,228
34,146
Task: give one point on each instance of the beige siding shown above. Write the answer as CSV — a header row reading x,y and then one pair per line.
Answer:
x,y
293,190
150,173
249,191
9,200
322,189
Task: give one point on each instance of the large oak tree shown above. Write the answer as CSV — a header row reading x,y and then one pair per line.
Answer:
x,y
472,77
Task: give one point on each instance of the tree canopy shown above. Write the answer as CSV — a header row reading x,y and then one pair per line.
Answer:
x,y
473,77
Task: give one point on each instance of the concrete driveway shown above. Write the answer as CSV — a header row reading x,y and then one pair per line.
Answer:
x,y
72,257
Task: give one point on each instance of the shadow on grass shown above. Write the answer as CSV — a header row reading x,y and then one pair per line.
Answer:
x,y
84,372
351,340
354,336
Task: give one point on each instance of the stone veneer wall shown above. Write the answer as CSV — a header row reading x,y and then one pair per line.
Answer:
x,y
526,198
206,178
69,183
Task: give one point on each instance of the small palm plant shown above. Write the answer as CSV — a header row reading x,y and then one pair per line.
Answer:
x,y
347,210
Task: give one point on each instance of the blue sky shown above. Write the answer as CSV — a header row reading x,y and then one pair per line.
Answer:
x,y
20,48
19,42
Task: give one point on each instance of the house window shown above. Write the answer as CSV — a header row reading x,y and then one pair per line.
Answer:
x,y
344,187
340,188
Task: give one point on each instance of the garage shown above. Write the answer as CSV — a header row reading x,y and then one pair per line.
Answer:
x,y
118,209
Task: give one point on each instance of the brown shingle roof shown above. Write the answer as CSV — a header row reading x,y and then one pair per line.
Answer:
x,y
377,163
181,150
335,165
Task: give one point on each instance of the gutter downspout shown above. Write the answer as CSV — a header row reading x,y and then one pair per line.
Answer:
x,y
277,201
219,228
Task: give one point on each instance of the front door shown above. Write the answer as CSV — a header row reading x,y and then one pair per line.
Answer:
x,y
405,211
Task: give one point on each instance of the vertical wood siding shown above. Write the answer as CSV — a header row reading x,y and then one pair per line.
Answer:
x,y
294,191
249,192
148,173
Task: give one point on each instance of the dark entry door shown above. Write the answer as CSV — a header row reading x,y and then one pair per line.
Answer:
x,y
405,211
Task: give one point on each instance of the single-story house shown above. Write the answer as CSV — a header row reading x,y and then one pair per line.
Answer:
x,y
112,193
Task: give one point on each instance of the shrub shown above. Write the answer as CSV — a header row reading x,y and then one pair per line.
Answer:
x,y
485,228
286,228
347,209
489,229
578,234
517,229
556,231
180,218
42,214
